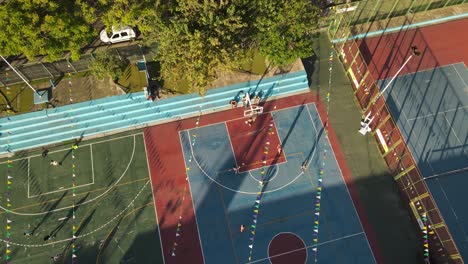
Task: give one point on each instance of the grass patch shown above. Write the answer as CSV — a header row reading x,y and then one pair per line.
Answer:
x,y
256,65
133,79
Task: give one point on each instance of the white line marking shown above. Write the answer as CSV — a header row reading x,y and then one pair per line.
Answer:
x,y
230,120
89,201
446,173
232,147
153,193
82,145
347,190
60,189
28,175
84,235
323,243
92,159
63,188
237,191
433,114
190,190
292,251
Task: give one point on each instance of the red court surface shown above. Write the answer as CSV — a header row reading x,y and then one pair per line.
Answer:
x,y
387,53
171,191
248,142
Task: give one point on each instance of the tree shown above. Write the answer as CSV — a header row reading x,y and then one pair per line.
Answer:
x,y
195,38
106,64
45,27
286,30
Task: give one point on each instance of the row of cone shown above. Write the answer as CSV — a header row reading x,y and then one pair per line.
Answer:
x,y
187,169
73,148
256,206
9,205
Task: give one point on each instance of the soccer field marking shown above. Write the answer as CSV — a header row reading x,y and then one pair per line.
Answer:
x,y
92,160
459,75
230,143
81,145
78,194
29,162
347,190
244,192
62,188
91,200
455,134
86,234
154,199
307,247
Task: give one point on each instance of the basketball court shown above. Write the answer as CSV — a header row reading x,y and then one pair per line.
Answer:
x,y
281,177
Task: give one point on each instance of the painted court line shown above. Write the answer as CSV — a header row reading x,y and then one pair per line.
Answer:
x,y
230,120
459,75
63,188
154,200
433,114
230,142
190,190
307,247
87,234
446,173
238,191
92,160
347,190
89,201
83,145
292,251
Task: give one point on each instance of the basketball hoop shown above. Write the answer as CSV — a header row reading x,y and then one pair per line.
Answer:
x,y
253,111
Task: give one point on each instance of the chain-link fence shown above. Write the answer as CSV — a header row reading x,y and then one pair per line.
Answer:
x,y
33,71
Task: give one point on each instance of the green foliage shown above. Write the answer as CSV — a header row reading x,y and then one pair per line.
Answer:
x,y
106,64
196,38
126,12
286,30
45,27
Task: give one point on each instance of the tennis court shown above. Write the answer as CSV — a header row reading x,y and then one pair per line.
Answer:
x,y
429,102
215,173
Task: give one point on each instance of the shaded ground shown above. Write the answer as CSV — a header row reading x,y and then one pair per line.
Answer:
x,y
389,216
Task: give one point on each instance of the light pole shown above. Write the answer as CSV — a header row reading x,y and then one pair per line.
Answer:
x,y
365,123
414,52
22,78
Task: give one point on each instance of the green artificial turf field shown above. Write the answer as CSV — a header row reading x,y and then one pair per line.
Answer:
x,y
114,220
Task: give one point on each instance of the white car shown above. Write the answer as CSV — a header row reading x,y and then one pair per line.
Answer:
x,y
118,35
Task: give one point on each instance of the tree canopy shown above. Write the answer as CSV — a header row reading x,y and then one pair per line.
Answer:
x,y
194,38
45,27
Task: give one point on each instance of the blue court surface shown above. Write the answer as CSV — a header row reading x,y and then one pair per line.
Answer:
x,y
431,110
224,200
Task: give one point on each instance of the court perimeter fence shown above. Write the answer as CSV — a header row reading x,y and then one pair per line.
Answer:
x,y
38,70
435,236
